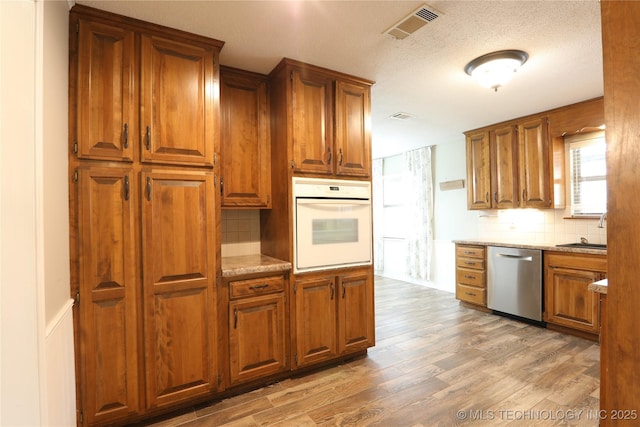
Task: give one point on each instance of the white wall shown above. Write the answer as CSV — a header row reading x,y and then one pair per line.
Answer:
x,y
37,379
21,328
452,220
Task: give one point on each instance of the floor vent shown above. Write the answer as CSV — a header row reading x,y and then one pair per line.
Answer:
x,y
413,22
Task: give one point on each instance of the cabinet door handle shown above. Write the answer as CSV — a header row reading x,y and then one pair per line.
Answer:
x,y
486,197
149,188
344,290
523,194
466,276
264,285
126,187
471,294
333,291
148,137
495,196
340,162
235,318
329,157
125,136
469,263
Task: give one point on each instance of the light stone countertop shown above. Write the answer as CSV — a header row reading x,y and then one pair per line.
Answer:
x,y
600,286
252,264
544,246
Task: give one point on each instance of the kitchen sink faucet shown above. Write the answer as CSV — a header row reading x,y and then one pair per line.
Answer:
x,y
602,218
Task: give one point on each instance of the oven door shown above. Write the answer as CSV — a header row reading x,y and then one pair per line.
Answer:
x,y
331,233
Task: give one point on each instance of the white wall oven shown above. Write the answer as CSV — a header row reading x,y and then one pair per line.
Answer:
x,y
332,224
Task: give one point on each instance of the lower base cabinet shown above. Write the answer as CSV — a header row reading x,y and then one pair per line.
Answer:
x,y
333,315
568,301
257,327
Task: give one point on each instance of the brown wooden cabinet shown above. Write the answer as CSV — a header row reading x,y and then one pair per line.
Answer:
x,y
108,294
504,167
568,301
178,111
478,150
510,165
257,327
328,114
169,83
471,274
352,129
179,276
534,164
143,238
245,148
106,103
334,315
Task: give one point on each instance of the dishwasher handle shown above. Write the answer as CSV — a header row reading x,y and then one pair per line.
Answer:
x,y
516,257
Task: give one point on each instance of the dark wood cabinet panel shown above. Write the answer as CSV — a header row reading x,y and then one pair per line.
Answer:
x,y
353,130
478,151
107,288
177,102
356,314
179,285
245,140
106,100
504,169
312,121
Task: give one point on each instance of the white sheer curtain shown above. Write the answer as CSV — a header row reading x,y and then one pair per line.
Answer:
x,y
419,205
378,215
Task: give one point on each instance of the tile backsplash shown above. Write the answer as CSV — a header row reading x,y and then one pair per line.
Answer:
x,y
538,226
240,232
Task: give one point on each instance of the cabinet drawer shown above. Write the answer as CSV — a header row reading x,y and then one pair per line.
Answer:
x,y
471,294
472,263
470,277
470,251
258,286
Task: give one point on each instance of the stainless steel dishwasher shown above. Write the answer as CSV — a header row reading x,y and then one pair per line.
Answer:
x,y
514,281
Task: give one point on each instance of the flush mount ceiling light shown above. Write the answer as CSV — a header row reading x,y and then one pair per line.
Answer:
x,y
496,68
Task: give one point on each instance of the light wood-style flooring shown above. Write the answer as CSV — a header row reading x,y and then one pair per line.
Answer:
x,y
435,363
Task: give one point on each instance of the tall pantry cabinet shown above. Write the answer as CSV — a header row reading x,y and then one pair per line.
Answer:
x,y
144,136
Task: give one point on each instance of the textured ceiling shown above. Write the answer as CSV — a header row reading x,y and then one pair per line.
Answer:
x,y
421,75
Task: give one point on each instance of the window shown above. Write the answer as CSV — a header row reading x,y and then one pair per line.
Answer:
x,y
587,174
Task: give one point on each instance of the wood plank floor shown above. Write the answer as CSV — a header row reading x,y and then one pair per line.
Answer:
x,y
435,363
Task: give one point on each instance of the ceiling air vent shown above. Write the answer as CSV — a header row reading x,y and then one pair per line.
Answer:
x,y
401,116
413,22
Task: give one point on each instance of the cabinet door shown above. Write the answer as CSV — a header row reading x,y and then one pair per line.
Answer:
x,y
106,103
534,163
504,169
312,116
569,302
179,96
315,321
179,277
108,317
353,131
245,141
356,324
256,337
478,171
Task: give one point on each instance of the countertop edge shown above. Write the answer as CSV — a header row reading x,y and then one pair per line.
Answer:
x,y
252,264
601,286
540,246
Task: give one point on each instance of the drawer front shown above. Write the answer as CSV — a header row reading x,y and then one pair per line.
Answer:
x,y
470,251
473,263
471,277
258,286
471,294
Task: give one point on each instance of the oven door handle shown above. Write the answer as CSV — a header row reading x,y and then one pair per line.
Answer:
x,y
333,202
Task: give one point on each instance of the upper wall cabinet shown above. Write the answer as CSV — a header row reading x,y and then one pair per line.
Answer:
x,y
245,139
520,163
327,119
142,91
